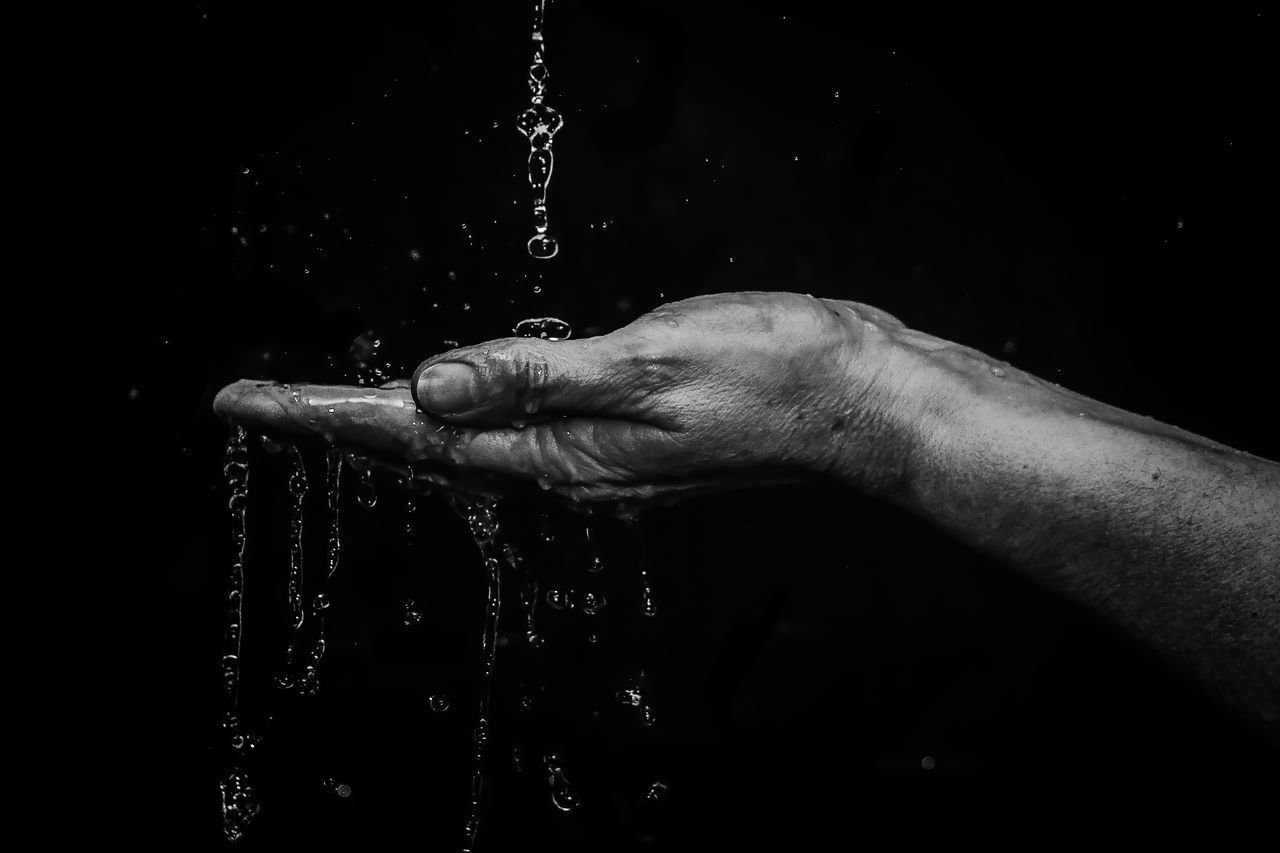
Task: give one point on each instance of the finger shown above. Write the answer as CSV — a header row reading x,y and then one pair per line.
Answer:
x,y
523,380
381,420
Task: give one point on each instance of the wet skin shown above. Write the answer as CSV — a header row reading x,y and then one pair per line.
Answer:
x,y
1166,534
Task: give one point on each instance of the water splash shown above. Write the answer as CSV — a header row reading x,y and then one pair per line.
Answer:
x,y
540,123
239,800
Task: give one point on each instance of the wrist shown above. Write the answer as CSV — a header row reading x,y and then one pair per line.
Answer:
x,y
893,397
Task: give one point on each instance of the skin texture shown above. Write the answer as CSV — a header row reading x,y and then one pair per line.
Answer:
x,y
1166,535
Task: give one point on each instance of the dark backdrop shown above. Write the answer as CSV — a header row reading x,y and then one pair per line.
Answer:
x,y
1079,189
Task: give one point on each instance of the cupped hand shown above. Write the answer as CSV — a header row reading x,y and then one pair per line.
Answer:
x,y
711,392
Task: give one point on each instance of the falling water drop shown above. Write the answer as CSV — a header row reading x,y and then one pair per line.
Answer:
x,y
410,521
647,605
563,794
366,492
338,789
658,792
411,616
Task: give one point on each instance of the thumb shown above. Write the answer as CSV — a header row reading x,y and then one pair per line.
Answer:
x,y
518,380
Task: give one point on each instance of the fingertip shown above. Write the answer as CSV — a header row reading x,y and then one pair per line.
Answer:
x,y
446,387
225,402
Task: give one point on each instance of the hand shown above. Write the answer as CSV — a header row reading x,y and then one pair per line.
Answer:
x,y
708,393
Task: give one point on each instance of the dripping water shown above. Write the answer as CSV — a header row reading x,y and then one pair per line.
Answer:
x,y
647,605
564,795
239,800
308,683
482,519
528,593
539,123
298,488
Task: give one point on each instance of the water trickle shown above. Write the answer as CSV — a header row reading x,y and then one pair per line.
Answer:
x,y
298,488
482,519
410,521
239,800
308,682
546,328
528,593
539,123
647,605
563,794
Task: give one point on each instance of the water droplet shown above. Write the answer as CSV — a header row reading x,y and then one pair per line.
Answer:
x,y
438,702
559,599
998,372
546,328
366,493
411,616
928,762
239,804
563,795
658,792
543,246
338,789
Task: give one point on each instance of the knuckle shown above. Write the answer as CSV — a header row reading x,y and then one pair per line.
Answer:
x,y
529,375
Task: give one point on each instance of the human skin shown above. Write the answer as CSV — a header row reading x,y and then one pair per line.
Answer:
x,y
1170,537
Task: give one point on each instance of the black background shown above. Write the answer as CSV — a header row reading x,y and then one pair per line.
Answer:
x,y
1082,190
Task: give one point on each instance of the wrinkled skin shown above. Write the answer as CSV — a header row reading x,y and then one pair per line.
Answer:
x,y
707,393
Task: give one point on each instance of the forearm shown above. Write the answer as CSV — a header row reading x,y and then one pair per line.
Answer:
x,y
1170,536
